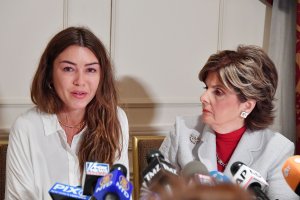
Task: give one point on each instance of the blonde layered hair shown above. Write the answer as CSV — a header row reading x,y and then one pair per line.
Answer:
x,y
252,75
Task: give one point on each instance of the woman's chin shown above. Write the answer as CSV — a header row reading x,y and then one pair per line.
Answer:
x,y
206,119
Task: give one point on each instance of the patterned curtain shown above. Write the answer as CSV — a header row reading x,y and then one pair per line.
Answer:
x,y
298,79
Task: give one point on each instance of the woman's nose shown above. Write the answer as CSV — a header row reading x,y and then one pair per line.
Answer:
x,y
79,79
203,98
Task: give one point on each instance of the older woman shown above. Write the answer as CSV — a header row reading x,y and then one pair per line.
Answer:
x,y
237,108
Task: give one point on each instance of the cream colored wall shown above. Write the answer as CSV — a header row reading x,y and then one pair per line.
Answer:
x,y
157,46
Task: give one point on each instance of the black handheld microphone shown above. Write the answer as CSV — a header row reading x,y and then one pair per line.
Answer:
x,y
249,179
157,166
160,176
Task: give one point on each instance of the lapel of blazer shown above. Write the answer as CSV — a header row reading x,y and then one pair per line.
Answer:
x,y
249,143
207,149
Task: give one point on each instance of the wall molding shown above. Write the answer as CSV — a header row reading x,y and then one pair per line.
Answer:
x,y
11,101
113,17
220,25
128,103
65,14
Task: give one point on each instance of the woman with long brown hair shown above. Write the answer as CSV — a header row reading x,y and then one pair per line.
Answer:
x,y
76,118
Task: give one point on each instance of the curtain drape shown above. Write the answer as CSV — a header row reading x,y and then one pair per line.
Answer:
x,y
298,78
282,48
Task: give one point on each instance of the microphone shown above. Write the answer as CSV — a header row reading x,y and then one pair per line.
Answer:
x,y
291,173
160,176
219,177
249,179
92,171
61,191
157,166
113,186
196,172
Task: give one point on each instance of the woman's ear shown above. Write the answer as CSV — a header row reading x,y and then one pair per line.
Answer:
x,y
249,105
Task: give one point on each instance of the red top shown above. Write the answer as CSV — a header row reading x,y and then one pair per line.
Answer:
x,y
226,143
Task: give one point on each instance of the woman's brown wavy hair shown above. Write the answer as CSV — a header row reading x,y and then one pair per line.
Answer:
x,y
102,139
252,75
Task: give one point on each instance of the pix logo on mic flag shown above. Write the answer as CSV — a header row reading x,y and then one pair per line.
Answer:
x,y
63,191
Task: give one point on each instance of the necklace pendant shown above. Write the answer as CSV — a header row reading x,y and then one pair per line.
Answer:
x,y
220,162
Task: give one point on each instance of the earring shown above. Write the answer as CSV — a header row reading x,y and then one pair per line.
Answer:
x,y
49,86
244,114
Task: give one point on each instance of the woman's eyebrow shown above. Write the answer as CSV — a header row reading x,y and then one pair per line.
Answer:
x,y
66,61
93,63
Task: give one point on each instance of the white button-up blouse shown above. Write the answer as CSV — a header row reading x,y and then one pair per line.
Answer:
x,y
38,155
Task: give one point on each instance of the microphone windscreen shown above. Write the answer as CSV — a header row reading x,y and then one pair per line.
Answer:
x,y
291,173
113,186
153,153
194,167
235,167
119,167
219,177
195,172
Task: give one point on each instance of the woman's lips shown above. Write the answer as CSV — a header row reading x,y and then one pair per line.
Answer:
x,y
205,111
79,94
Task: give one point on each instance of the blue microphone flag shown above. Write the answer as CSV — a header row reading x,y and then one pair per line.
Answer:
x,y
113,183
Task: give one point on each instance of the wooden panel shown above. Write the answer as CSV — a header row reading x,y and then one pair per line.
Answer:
x,y
3,151
141,147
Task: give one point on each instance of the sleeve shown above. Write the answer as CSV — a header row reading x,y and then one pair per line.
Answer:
x,y
125,140
19,174
278,187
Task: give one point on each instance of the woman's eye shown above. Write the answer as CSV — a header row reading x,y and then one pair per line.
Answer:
x,y
68,69
92,70
219,92
205,87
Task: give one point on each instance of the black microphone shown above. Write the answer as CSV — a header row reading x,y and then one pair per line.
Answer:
x,y
92,171
113,186
249,179
160,176
195,172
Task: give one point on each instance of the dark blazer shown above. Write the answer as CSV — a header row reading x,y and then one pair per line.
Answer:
x,y
264,151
